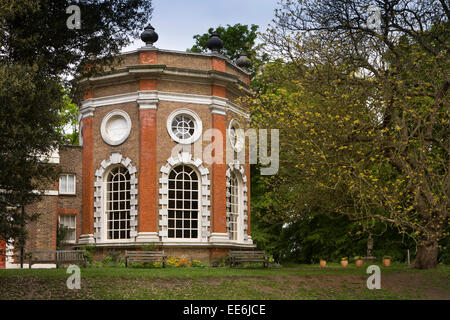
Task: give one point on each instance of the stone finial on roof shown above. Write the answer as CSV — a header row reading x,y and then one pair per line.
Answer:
x,y
149,36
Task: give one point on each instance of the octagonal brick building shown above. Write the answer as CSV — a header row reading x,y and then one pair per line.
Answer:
x,y
143,175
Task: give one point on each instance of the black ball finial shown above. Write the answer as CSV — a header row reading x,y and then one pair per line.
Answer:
x,y
243,61
149,36
214,43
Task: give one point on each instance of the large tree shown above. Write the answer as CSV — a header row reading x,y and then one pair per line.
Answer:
x,y
38,53
365,113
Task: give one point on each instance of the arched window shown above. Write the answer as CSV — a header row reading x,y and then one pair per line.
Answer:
x,y
233,207
118,204
183,205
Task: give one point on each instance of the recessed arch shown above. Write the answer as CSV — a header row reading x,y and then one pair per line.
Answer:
x,y
100,193
197,174
237,200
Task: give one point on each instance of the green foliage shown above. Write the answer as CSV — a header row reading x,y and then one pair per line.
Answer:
x,y
107,260
35,31
69,120
198,264
363,133
149,247
38,53
29,119
112,260
221,261
90,250
326,236
61,234
238,39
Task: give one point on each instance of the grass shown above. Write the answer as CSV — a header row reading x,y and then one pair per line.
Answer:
x,y
290,282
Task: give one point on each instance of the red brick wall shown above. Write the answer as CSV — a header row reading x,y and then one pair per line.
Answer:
x,y
88,176
218,64
70,158
147,172
218,183
150,57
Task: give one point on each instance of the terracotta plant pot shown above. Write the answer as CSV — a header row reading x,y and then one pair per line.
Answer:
x,y
323,263
344,263
386,262
359,263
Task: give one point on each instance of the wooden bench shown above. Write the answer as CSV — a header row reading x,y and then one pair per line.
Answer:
x,y
145,256
248,256
58,257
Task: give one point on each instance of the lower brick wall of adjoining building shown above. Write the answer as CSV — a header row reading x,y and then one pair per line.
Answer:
x,y
42,232
206,255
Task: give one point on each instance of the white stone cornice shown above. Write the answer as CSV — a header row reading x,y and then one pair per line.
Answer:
x,y
152,96
145,104
136,72
87,109
217,109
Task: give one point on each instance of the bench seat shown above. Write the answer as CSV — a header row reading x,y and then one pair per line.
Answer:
x,y
237,257
145,256
57,257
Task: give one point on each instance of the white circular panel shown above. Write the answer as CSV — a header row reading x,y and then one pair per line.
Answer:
x,y
116,127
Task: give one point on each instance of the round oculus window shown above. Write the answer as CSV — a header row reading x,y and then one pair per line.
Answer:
x,y
184,126
116,127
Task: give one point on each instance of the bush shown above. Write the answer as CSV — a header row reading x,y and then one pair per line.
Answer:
x,y
329,237
198,264
115,256
90,250
149,247
220,261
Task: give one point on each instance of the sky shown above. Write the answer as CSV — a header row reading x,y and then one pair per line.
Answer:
x,y
177,21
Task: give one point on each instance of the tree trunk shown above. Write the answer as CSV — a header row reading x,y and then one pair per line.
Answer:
x,y
426,257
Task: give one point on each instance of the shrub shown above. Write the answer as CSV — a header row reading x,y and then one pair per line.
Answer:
x,y
149,247
90,250
172,261
220,261
183,263
107,260
115,256
198,264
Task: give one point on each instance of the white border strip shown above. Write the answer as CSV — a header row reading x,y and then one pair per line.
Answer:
x,y
164,96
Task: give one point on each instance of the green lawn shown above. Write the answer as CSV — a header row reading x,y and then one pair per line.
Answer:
x,y
289,282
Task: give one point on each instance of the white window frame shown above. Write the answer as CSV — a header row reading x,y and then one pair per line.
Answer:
x,y
204,194
199,205
242,227
105,120
104,229
197,125
239,212
100,197
74,228
66,192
